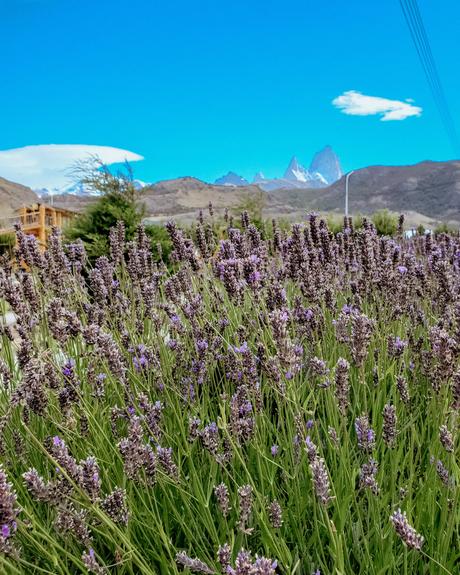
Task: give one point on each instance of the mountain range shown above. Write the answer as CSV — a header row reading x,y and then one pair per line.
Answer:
x,y
427,192
324,170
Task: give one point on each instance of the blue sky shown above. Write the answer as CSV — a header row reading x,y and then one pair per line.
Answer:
x,y
203,87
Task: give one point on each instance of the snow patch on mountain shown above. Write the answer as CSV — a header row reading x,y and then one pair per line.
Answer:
x,y
78,189
259,177
231,179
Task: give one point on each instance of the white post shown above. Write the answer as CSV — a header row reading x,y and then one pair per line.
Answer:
x,y
346,192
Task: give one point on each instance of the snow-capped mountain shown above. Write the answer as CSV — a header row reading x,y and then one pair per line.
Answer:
x,y
297,172
75,189
231,179
259,177
324,170
139,184
78,189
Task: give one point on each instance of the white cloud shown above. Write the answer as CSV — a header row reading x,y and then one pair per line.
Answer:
x,y
47,166
357,104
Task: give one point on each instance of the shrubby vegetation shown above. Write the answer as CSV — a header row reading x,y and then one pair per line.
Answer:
x,y
7,243
285,406
119,200
385,222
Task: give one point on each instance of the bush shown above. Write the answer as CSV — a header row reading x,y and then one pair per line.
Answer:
x,y
444,228
385,222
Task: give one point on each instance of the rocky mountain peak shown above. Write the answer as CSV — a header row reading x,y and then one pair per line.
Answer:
x,y
326,163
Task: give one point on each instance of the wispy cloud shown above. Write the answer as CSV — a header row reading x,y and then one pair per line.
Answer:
x,y
357,104
48,165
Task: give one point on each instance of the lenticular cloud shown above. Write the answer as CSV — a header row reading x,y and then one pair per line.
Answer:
x,y
47,166
356,104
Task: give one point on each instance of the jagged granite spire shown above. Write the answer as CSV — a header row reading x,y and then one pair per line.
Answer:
x,y
326,163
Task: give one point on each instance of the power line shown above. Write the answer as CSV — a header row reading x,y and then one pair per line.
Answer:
x,y
419,36
441,95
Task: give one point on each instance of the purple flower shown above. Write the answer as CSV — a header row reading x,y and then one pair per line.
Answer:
x,y
254,277
242,349
274,450
396,346
407,533
140,362
365,434
202,345
172,344
67,368
347,309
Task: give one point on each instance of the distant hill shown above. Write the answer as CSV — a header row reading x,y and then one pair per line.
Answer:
x,y
13,196
430,189
184,197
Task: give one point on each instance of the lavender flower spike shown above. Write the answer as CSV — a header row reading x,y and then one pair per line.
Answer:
x,y
194,565
91,563
407,533
320,480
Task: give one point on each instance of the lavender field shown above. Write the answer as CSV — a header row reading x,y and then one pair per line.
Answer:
x,y
285,403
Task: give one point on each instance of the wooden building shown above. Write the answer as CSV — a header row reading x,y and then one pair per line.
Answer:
x,y
37,220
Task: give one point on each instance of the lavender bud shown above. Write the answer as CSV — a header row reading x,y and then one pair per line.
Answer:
x,y
367,476
221,493
245,495
8,513
90,562
403,389
320,480
342,387
443,473
365,434
194,565
446,438
224,555
115,506
275,514
389,424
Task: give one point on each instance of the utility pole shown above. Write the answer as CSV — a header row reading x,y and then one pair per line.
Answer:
x,y
346,192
